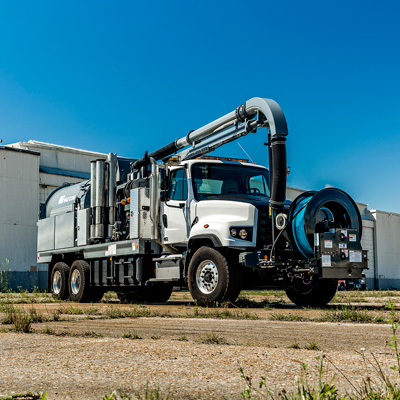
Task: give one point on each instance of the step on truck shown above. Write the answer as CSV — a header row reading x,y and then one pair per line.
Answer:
x,y
177,218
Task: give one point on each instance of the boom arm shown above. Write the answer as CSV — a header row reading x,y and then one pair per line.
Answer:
x,y
256,113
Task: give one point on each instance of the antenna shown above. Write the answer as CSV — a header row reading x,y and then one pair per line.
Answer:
x,y
245,152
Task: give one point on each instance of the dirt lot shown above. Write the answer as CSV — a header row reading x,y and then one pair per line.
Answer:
x,y
85,351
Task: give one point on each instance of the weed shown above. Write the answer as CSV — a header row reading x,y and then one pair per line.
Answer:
x,y
48,331
294,346
89,334
26,396
131,335
72,311
287,317
149,394
4,276
36,316
56,315
244,301
312,346
183,337
21,320
109,296
351,313
155,337
211,338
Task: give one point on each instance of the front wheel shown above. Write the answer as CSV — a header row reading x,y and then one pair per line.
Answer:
x,y
211,279
313,293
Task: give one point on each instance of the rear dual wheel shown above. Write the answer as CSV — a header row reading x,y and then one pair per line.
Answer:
x,y
59,281
79,281
74,282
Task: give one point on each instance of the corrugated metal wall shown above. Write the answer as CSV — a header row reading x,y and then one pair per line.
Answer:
x,y
19,194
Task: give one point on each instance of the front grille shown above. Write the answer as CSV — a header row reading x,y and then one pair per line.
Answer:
x,y
264,228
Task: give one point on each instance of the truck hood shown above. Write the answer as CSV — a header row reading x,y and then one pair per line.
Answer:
x,y
257,201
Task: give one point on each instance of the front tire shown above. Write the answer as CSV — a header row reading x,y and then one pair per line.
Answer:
x,y
211,279
79,281
59,281
314,293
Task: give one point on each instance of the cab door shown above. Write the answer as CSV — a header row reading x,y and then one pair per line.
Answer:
x,y
175,211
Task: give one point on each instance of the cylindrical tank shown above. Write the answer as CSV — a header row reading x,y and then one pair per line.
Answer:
x,y
64,197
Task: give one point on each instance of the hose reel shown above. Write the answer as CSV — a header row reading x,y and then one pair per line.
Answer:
x,y
317,212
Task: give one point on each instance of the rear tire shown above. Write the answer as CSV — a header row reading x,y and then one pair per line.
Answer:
x,y
146,294
157,293
131,297
79,281
96,295
59,281
316,293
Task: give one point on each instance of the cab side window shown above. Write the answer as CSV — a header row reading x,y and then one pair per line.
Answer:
x,y
178,185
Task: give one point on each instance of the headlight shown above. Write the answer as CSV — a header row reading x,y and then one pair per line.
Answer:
x,y
243,234
240,232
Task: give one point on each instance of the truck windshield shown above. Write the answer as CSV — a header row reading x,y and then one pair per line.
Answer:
x,y
211,180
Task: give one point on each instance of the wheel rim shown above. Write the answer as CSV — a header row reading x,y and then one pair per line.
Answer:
x,y
305,286
57,281
75,281
207,277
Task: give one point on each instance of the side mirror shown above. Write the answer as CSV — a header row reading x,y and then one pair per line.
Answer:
x,y
165,183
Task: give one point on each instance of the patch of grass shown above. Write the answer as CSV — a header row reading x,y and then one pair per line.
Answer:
x,y
294,346
48,331
183,337
352,314
155,337
72,310
36,316
110,297
222,313
21,320
150,393
289,317
26,396
312,346
89,334
131,335
133,312
211,338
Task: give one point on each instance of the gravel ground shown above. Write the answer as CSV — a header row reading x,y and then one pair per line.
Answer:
x,y
71,367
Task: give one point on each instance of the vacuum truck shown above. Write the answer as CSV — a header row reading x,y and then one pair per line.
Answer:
x,y
179,218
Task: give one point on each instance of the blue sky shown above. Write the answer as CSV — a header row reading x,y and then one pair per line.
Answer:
x,y
130,76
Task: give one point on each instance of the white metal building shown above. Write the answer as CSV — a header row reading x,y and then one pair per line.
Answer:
x,y
30,171
19,195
